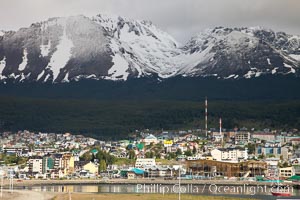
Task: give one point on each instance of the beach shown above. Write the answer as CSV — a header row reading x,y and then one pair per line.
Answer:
x,y
27,195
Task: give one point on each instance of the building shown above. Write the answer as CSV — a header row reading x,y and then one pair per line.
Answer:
x,y
295,141
48,164
160,172
35,165
272,165
296,165
168,143
264,136
57,158
145,162
288,139
286,172
150,139
91,168
229,154
271,148
68,163
135,173
242,137
212,168
217,136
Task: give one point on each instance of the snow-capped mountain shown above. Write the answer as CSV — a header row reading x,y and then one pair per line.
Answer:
x,y
241,52
116,48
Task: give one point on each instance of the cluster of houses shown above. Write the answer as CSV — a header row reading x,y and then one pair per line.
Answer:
x,y
52,155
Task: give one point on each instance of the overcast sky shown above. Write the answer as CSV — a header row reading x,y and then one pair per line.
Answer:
x,y
180,18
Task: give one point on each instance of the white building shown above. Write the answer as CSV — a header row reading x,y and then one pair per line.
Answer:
x,y
286,172
229,154
150,139
218,136
145,163
272,167
35,165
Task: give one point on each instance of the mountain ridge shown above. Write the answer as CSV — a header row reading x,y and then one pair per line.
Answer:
x,y
116,48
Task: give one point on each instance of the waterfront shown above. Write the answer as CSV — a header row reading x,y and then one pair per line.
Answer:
x,y
237,191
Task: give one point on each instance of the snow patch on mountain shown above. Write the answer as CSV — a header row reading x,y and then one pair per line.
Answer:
x,y
45,49
230,76
47,77
289,66
250,74
62,55
119,70
66,78
295,56
192,60
2,66
25,60
258,74
2,33
41,75
274,70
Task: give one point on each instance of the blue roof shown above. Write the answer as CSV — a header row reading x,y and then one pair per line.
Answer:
x,y
138,171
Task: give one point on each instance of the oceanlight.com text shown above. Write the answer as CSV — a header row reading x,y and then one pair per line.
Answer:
x,y
244,189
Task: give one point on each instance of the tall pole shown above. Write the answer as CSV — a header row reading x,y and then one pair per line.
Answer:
x,y
206,116
221,130
179,183
220,126
1,185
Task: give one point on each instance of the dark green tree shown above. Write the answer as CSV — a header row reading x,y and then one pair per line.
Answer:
x,y
102,165
194,150
188,153
178,152
131,154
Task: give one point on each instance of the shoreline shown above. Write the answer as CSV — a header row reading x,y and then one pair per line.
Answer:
x,y
28,194
25,183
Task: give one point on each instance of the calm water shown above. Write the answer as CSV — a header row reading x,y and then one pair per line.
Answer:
x,y
258,192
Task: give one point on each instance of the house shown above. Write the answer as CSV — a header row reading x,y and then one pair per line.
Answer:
x,y
57,173
295,141
91,167
135,173
160,171
150,139
189,137
168,143
145,162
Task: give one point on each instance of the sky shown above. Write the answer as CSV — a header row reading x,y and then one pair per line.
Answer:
x,y
180,18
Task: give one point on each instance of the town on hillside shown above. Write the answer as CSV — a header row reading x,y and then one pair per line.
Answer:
x,y
238,154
